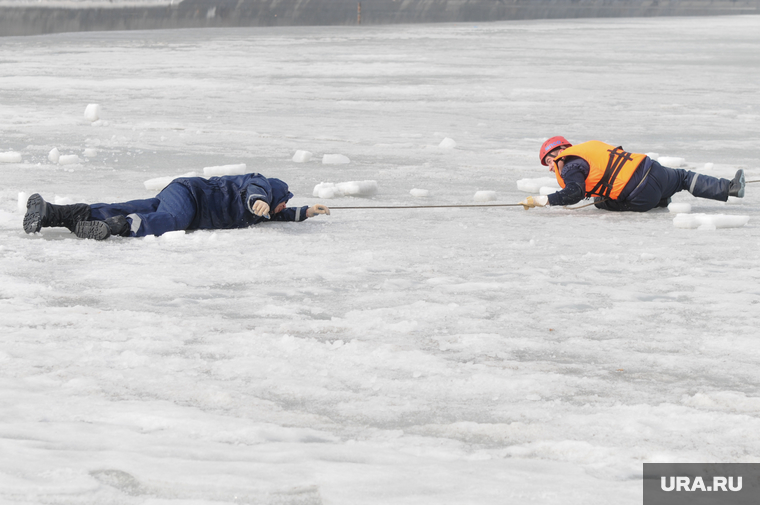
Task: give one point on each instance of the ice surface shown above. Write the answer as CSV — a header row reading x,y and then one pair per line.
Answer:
x,y
419,193
54,155
547,190
671,161
709,221
90,153
452,356
302,156
679,208
10,157
535,185
350,188
92,112
216,171
68,159
484,196
447,143
335,159
159,183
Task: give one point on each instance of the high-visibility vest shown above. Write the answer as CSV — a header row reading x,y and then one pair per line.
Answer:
x,y
610,167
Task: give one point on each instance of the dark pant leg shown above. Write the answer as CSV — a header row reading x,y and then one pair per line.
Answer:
x,y
175,211
102,211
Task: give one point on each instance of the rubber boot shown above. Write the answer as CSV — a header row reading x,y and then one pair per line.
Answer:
x,y
704,186
736,186
119,226
41,214
101,230
97,230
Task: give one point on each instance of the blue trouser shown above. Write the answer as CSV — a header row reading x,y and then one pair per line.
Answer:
x,y
171,210
662,183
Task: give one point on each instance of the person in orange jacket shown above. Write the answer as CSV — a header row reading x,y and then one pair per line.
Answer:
x,y
622,181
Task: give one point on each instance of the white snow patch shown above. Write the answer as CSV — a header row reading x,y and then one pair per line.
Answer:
x,y
679,208
546,190
671,161
654,156
63,200
302,156
54,155
92,112
237,169
535,185
90,152
420,193
709,221
69,159
160,183
350,188
10,157
335,159
447,143
484,196
709,166
22,198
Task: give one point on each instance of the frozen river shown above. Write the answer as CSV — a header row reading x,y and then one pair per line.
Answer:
x,y
422,356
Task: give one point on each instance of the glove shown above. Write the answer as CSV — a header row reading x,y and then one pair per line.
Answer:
x,y
317,209
535,201
260,208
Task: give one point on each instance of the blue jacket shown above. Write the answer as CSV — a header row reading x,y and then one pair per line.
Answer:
x,y
225,202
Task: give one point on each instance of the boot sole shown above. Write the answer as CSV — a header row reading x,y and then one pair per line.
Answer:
x,y
34,210
97,230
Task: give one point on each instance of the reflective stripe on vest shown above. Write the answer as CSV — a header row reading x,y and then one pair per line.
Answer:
x,y
610,167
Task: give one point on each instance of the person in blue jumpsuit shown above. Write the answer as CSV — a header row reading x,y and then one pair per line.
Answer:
x,y
187,203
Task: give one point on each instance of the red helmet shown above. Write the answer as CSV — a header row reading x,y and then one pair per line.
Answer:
x,y
551,145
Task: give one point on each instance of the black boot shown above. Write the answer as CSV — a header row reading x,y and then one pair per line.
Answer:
x,y
119,226
40,214
664,202
97,230
101,230
736,186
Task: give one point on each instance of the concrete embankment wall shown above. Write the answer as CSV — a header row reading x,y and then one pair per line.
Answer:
x,y
220,13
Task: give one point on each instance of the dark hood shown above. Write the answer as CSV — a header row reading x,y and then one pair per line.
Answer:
x,y
280,192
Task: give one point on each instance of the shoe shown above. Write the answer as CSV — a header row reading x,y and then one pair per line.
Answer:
x,y
736,186
119,226
97,230
664,202
36,211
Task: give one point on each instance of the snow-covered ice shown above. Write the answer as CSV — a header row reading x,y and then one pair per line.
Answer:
x,y
10,157
447,143
484,196
54,155
419,193
68,159
679,208
671,161
535,185
350,188
159,183
302,156
335,159
219,170
90,152
92,112
709,221
443,355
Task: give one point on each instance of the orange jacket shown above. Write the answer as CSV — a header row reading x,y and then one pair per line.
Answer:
x,y
610,167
